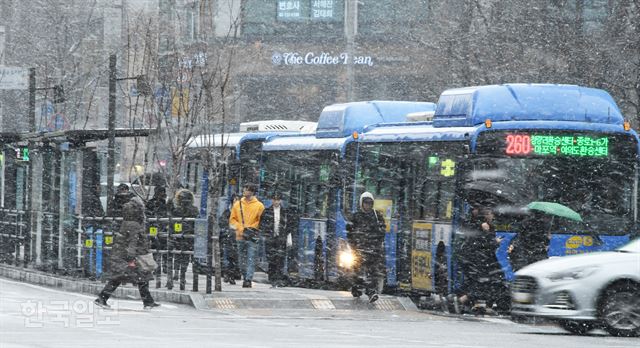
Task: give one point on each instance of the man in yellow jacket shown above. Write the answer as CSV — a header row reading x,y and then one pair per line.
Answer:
x,y
246,213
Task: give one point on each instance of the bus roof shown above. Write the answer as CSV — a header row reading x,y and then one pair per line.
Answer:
x,y
309,143
226,140
416,132
471,106
341,120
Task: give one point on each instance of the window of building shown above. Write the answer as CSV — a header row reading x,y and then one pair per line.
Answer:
x,y
382,17
191,21
594,14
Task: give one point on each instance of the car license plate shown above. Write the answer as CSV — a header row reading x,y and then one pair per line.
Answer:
x,y
522,297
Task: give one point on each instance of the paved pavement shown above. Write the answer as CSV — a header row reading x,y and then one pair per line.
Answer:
x,y
260,296
38,316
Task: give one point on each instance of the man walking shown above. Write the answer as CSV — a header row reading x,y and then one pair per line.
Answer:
x,y
275,227
245,219
366,237
129,243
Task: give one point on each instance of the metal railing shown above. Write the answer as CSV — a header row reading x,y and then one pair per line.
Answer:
x,y
173,244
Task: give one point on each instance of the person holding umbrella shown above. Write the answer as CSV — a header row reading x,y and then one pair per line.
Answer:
x,y
532,242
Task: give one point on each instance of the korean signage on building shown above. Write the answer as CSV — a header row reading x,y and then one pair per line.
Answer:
x,y
308,9
320,58
13,78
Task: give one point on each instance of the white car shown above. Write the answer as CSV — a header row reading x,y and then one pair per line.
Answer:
x,y
582,292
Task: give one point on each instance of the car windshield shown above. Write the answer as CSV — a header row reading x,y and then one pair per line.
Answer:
x,y
631,247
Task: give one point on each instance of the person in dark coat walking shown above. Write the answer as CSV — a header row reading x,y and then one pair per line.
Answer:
x,y
157,207
275,227
483,276
183,208
366,237
531,244
129,242
230,271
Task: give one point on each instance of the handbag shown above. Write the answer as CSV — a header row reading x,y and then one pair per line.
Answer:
x,y
146,262
249,233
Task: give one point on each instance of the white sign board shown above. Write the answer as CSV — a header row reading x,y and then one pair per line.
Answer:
x,y
13,78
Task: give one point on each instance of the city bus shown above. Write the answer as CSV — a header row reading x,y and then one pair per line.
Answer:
x,y
510,144
236,157
505,145
308,171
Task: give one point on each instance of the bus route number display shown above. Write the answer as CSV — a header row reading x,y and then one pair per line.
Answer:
x,y
523,144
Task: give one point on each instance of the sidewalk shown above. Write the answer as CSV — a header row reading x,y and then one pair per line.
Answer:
x,y
260,296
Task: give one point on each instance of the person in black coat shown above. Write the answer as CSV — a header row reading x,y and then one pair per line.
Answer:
x,y
183,208
157,207
531,244
275,227
122,196
128,243
483,274
230,271
366,237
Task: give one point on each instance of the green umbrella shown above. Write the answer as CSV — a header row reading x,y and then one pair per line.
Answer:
x,y
556,209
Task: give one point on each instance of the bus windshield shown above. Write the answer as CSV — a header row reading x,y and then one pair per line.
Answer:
x,y
302,178
598,184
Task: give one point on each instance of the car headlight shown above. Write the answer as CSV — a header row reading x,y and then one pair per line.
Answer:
x,y
572,274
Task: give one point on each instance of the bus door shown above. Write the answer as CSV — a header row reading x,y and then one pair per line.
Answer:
x,y
432,169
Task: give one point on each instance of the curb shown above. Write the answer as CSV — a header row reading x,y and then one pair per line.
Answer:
x,y
291,298
87,287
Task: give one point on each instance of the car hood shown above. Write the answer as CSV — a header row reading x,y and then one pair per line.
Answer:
x,y
556,264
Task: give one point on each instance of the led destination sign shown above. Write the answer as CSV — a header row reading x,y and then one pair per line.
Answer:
x,y
523,144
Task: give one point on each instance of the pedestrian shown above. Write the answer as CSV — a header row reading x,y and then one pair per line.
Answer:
x,y
531,244
483,274
183,208
230,271
130,242
157,207
245,219
122,196
366,237
275,228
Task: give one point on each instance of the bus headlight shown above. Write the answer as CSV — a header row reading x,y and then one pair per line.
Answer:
x,y
346,258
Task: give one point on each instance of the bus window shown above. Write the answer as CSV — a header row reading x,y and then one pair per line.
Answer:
x,y
433,169
303,178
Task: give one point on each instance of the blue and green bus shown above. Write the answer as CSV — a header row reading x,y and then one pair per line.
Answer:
x,y
512,144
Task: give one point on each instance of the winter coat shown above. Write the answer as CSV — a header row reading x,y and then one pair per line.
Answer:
x,y
118,202
366,234
479,256
251,210
267,226
129,242
157,207
182,207
530,244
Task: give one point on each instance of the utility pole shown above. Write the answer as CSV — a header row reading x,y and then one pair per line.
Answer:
x,y
350,33
32,99
111,151
2,50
